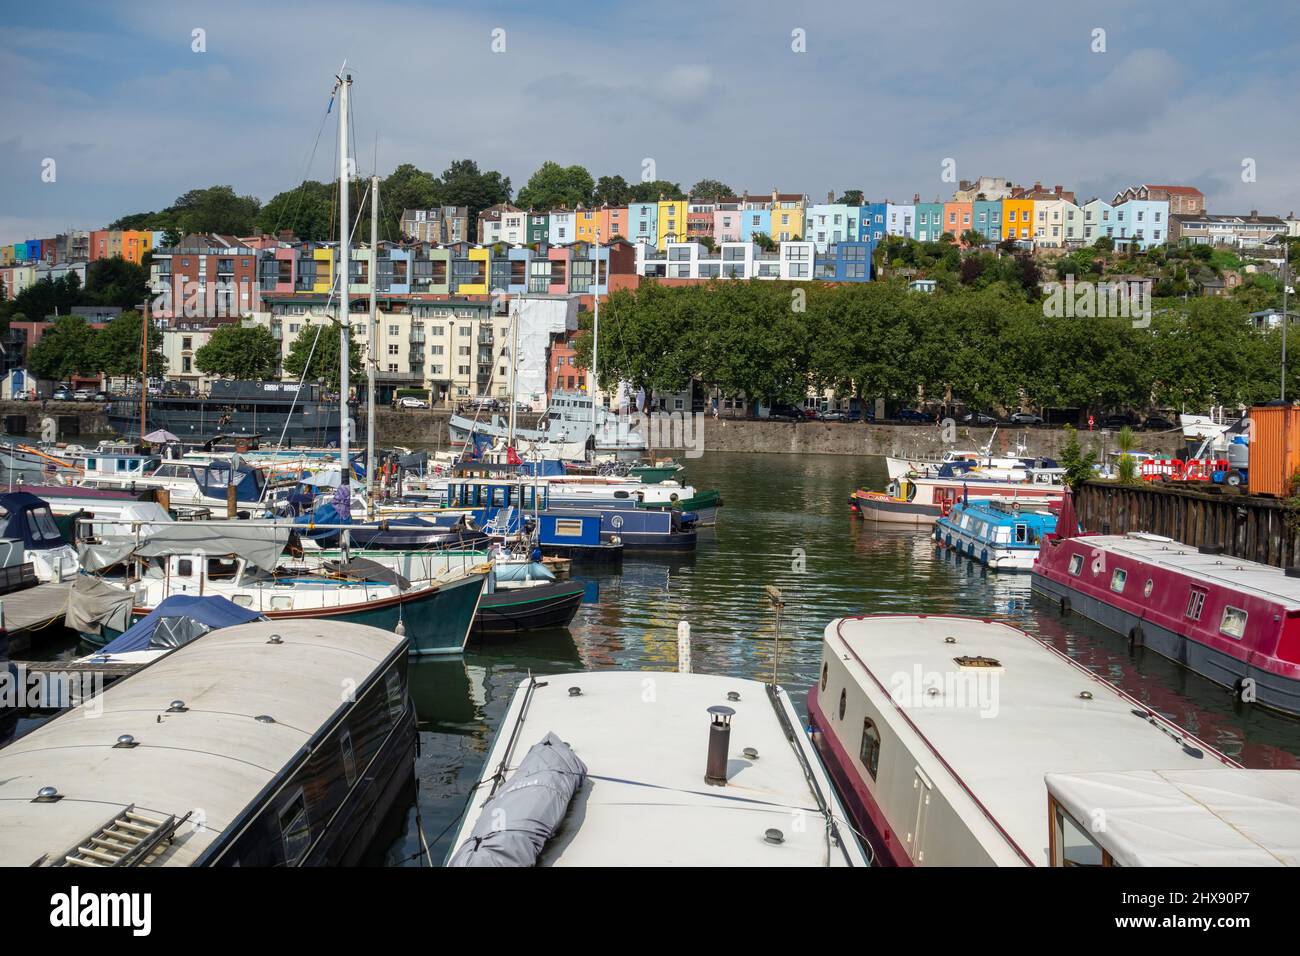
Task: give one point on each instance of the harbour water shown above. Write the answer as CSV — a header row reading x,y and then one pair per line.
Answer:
x,y
786,523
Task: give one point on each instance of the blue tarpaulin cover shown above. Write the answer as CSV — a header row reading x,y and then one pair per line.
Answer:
x,y
178,620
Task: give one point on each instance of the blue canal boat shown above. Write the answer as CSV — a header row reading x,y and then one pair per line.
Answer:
x,y
1005,534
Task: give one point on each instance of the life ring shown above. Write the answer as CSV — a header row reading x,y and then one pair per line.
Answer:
x,y
945,508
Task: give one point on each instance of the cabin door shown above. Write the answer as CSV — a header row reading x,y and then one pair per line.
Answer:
x,y
923,791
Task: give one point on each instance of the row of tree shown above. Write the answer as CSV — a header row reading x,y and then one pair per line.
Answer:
x,y
72,345
988,347
109,282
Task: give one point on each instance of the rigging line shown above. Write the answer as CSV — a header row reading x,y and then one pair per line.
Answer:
x,y
293,222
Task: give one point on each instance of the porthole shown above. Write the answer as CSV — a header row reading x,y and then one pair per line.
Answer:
x,y
825,673
844,702
1150,586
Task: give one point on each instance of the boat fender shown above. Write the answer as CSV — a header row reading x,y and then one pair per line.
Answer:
x,y
911,491
1065,606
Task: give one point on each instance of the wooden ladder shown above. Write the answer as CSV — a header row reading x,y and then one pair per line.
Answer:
x,y
130,838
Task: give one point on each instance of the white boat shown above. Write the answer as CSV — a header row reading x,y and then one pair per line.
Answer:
x,y
918,502
940,732
566,431
643,790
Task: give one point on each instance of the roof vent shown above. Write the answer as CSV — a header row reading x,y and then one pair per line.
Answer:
x,y
750,753
773,837
733,695
715,768
1085,695
977,661
126,742
265,718
575,691
177,707
47,795
950,640
275,639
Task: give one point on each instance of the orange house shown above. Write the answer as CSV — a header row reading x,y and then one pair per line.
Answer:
x,y
957,218
612,221
1017,219
585,223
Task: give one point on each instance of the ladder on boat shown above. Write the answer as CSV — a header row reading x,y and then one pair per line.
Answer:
x,y
130,838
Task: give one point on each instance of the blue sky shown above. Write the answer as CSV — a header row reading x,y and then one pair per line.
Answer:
x,y
1183,93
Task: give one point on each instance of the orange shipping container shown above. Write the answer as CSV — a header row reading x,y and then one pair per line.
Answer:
x,y
1274,448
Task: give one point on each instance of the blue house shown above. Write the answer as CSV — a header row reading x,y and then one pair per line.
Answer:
x,y
987,215
754,221
34,250
929,221
845,262
871,222
643,222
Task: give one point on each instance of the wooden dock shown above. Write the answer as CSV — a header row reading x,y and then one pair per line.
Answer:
x,y
1252,527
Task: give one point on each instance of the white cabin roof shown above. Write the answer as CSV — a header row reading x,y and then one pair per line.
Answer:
x,y
644,737
1239,574
214,758
1211,817
992,733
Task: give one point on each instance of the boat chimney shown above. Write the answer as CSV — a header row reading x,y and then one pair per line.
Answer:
x,y
715,771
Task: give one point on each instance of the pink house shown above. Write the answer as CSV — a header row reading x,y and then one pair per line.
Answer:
x,y
726,219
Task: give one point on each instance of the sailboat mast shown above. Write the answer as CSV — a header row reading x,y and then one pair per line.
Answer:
x,y
595,344
144,371
514,367
371,339
344,268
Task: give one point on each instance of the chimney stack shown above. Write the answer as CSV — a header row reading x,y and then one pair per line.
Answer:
x,y
715,770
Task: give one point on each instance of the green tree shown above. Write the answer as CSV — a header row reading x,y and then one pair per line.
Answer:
x,y
309,211
1126,441
215,209
246,352
463,184
324,361
852,197
115,349
116,282
406,187
1077,463
655,190
63,350
613,191
554,185
711,189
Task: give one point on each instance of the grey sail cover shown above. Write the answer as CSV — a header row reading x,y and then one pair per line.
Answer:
x,y
93,603
258,544
515,824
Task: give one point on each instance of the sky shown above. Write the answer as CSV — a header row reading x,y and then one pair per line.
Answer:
x,y
879,96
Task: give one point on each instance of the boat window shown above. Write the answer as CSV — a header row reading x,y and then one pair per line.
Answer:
x,y
844,701
281,602
41,524
1233,622
1076,563
1117,579
349,758
1195,603
222,569
393,684
621,494
825,673
295,830
243,600
1150,586
185,567
1072,846
869,752
568,528
1022,533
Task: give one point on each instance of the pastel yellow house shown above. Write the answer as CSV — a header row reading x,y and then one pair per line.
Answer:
x,y
484,256
787,216
672,221
585,224
1017,219
324,270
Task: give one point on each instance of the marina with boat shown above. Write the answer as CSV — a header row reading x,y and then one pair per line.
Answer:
x,y
255,634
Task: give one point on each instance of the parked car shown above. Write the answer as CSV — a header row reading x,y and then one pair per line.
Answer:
x,y
979,418
1158,423
910,416
1116,421
62,394
781,412
407,401
102,396
833,415
1026,418
83,395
